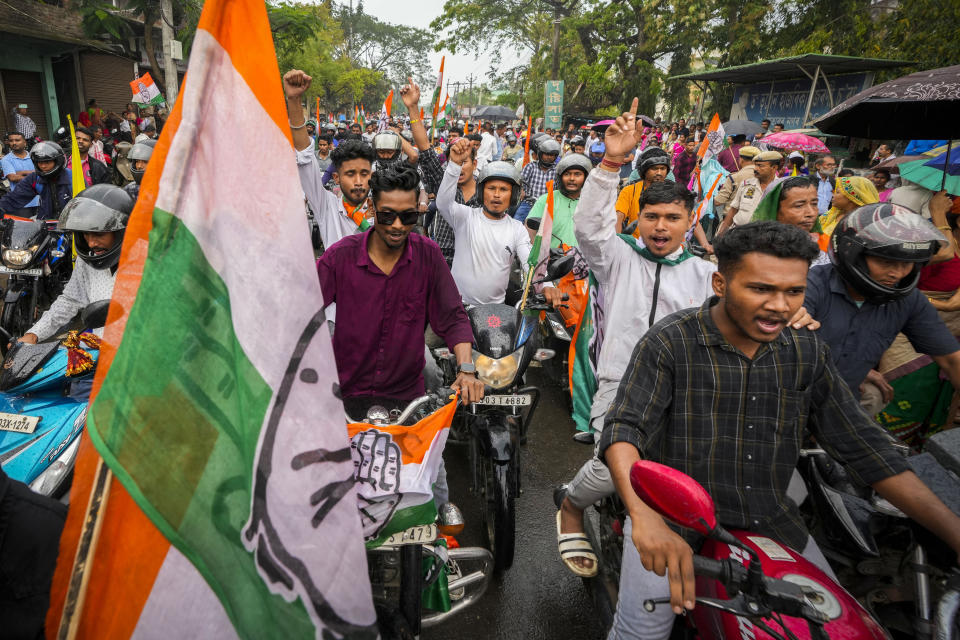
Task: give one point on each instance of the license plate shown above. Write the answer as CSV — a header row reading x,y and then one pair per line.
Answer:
x,y
18,423
521,400
413,535
20,272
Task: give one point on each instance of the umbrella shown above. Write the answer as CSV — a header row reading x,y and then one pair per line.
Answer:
x,y
940,162
931,177
893,164
798,141
741,128
647,120
496,112
602,125
921,105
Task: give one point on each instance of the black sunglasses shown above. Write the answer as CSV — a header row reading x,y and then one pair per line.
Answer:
x,y
406,217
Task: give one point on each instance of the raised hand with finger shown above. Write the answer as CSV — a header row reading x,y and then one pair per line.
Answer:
x,y
621,137
410,94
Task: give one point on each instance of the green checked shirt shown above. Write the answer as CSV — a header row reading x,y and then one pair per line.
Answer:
x,y
694,402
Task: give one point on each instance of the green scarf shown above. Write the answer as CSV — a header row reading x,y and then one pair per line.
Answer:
x,y
646,253
770,204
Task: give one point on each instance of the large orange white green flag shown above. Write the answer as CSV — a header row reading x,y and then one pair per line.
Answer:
x,y
384,122
232,510
435,99
715,140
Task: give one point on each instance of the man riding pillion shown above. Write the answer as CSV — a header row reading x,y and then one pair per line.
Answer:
x,y
725,393
51,181
97,217
139,156
643,280
487,239
353,159
571,173
536,175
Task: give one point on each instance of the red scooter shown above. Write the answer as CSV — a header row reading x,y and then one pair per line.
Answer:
x,y
749,586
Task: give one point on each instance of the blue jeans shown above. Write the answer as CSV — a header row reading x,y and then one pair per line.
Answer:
x,y
523,210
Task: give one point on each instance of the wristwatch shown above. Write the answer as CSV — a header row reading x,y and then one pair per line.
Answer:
x,y
467,367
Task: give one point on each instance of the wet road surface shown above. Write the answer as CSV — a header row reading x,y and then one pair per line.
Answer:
x,y
536,598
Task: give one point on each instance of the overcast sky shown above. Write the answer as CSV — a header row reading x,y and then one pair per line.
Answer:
x,y
420,14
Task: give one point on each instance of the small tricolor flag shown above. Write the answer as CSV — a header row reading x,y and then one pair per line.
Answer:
x,y
541,243
145,91
435,99
384,122
233,510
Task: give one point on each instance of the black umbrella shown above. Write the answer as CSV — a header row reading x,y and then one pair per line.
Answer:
x,y
741,128
920,106
495,112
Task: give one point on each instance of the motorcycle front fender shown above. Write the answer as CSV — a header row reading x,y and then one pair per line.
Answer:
x,y
496,439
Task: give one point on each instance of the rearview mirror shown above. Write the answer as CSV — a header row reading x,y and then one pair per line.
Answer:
x,y
94,315
533,223
560,267
630,228
674,495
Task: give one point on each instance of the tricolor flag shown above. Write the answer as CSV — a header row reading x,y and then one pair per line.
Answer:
x,y
442,122
407,460
233,510
435,99
145,91
541,243
714,141
384,122
356,113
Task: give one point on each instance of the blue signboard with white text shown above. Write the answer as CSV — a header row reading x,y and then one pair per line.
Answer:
x,y
786,100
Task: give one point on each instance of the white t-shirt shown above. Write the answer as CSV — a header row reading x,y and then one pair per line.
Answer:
x,y
484,248
488,146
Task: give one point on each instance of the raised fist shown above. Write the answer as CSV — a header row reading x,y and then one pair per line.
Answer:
x,y
295,83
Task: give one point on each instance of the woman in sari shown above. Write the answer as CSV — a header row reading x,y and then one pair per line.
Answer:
x,y
850,193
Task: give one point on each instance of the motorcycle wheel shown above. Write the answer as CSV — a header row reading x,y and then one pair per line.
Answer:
x,y
499,512
604,587
17,317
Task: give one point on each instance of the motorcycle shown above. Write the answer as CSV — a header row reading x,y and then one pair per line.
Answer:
x,y
749,586
34,256
897,568
505,343
420,575
40,424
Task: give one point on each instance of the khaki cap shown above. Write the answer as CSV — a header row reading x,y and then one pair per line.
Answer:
x,y
749,151
768,156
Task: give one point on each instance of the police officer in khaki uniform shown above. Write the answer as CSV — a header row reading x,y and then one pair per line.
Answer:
x,y
729,187
751,190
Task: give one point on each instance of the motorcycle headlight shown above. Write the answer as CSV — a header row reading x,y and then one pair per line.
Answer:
x,y
53,476
497,372
17,257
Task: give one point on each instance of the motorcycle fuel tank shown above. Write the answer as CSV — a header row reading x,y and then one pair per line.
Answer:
x,y
848,619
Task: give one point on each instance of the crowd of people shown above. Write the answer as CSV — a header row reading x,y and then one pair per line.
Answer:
x,y
724,338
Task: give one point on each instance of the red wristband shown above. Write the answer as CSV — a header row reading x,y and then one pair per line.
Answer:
x,y
611,163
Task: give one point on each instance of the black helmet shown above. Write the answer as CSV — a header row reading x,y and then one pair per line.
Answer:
x,y
572,161
140,151
652,157
97,209
501,170
887,231
62,136
387,141
47,150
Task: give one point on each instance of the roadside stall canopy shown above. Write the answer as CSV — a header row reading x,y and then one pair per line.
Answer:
x,y
818,68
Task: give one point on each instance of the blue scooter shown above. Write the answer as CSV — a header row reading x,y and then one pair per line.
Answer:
x,y
40,419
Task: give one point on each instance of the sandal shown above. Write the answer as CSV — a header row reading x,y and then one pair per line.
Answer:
x,y
576,545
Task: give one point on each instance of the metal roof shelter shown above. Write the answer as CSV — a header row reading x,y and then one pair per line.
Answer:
x,y
814,66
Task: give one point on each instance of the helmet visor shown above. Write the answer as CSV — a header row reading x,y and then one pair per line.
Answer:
x,y
905,236
84,214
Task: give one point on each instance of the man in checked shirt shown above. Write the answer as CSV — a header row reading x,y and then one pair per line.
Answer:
x,y
724,393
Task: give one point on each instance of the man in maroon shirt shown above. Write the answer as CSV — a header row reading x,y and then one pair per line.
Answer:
x,y
388,284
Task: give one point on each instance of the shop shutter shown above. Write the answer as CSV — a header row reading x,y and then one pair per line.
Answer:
x,y
24,87
106,78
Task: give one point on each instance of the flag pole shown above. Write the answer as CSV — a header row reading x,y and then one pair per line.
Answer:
x,y
537,246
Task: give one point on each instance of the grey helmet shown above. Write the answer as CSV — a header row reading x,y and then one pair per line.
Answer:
x,y
535,140
47,150
501,170
407,135
571,161
98,209
510,137
547,146
140,151
387,141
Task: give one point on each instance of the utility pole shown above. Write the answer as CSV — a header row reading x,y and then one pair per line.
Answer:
x,y
470,79
555,66
172,81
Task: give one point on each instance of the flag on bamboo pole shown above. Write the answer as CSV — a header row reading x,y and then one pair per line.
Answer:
x,y
233,511
541,247
384,122
443,112
714,141
435,99
317,112
356,113
76,162
526,143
